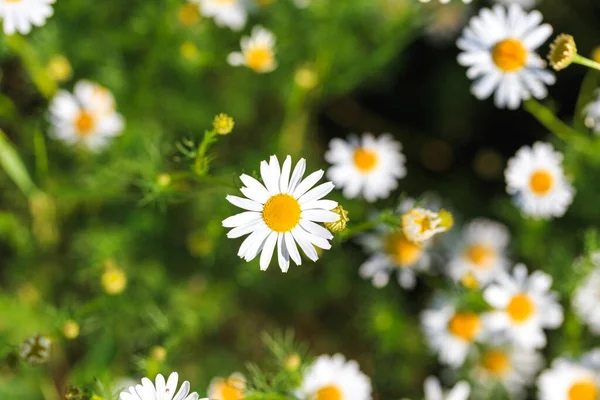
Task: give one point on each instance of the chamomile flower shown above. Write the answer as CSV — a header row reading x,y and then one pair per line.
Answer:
x,y
282,212
535,177
87,117
258,51
160,390
20,15
420,224
571,380
433,390
481,253
369,166
231,388
36,349
332,377
451,333
229,13
586,301
499,48
592,114
524,307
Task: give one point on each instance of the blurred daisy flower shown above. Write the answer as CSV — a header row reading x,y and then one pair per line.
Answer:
x,y
86,117
451,333
20,15
231,388
592,114
257,52
333,378
445,21
586,301
420,224
282,212
230,13
573,380
481,252
535,177
433,390
161,390
526,4
369,166
524,307
36,349
499,48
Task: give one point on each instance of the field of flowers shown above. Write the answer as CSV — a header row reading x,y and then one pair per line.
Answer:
x,y
299,200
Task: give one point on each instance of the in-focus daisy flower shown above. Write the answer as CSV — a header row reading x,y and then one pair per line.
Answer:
x,y
230,13
420,224
21,15
586,301
334,378
433,390
524,307
160,390
451,333
369,166
592,114
258,51
572,380
526,4
36,349
282,212
481,252
499,48
231,388
535,177
86,117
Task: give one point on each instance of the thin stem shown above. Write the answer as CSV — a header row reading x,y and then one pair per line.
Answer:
x,y
550,121
12,164
586,62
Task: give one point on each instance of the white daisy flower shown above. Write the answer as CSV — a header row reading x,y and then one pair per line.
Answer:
x,y
499,48
572,380
229,13
282,212
20,15
535,177
420,224
36,349
526,4
451,333
434,391
86,117
334,378
160,391
258,51
586,301
592,114
512,367
524,307
369,166
231,388
481,253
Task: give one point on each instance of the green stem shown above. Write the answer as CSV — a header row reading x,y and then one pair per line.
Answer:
x,y
13,166
586,62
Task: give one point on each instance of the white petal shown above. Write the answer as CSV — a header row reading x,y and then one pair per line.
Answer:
x,y
183,391
307,183
244,229
241,219
304,243
269,178
320,215
246,204
267,251
319,204
284,180
283,256
433,389
290,244
315,229
316,193
296,175
257,187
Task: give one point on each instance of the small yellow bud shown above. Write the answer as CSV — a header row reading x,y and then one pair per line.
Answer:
x,y
223,124
447,219
306,78
189,51
164,180
59,68
341,223
70,329
469,281
189,14
158,353
562,52
114,279
596,54
292,362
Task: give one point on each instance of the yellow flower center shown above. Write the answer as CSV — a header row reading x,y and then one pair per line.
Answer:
x,y
509,55
465,325
231,389
520,308
541,182
365,160
404,252
12,1
469,281
84,123
583,390
330,392
481,255
281,213
496,362
259,58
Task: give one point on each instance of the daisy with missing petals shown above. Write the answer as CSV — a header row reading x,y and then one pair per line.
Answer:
x,y
87,117
592,114
334,378
231,388
586,301
434,391
282,212
369,166
451,333
524,307
535,177
230,13
499,48
257,53
161,390
20,15
571,380
480,256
